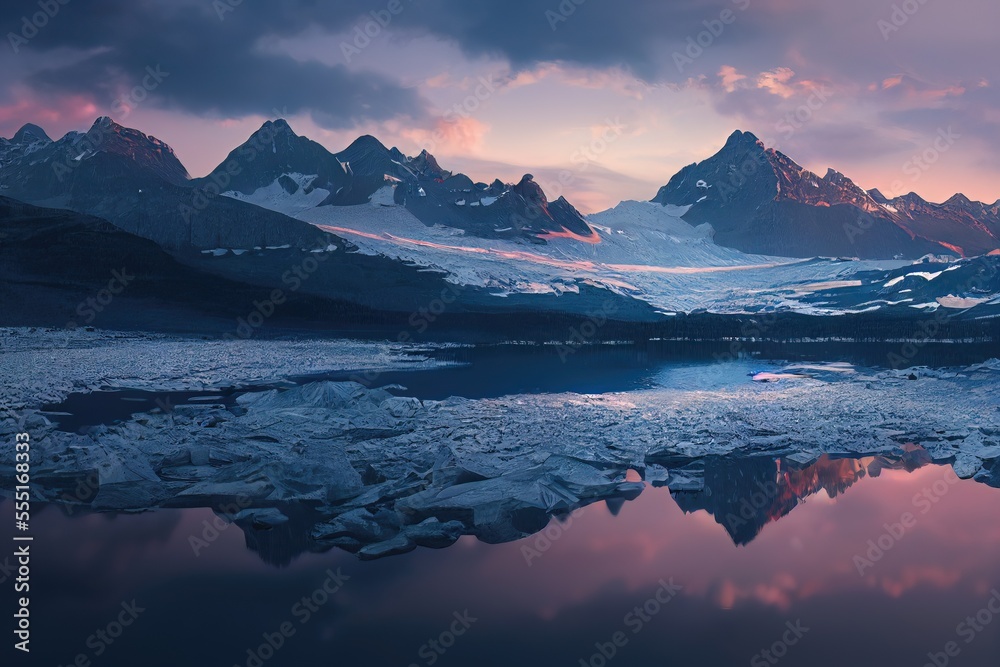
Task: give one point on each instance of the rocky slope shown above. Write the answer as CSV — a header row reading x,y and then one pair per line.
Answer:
x,y
759,200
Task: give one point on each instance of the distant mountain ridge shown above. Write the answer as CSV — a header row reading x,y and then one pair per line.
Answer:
x,y
275,166
136,182
756,199
759,200
973,226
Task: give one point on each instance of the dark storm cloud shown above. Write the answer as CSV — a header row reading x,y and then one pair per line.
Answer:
x,y
219,61
639,36
206,62
215,44
213,50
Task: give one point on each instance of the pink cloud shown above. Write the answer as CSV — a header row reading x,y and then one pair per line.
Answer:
x,y
730,77
914,92
55,116
892,82
776,82
913,576
614,80
449,135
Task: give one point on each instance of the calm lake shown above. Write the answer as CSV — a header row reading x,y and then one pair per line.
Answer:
x,y
841,561
556,598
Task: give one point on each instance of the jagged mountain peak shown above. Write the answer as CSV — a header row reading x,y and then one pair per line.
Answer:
x,y
427,164
877,195
758,199
741,138
105,124
961,201
531,191
107,139
106,127
367,142
912,198
276,125
30,133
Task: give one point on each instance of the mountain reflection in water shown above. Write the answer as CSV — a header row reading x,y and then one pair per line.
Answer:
x,y
585,572
742,493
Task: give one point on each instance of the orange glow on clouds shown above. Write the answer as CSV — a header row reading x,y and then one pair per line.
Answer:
x,y
74,111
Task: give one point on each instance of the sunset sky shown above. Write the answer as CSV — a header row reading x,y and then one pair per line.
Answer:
x,y
616,94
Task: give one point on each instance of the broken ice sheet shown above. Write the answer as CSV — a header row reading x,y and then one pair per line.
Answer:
x,y
337,465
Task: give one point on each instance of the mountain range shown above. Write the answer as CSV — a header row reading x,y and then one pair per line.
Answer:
x,y
759,200
743,231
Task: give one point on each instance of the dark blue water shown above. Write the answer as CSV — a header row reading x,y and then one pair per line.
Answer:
x,y
556,598
493,371
853,562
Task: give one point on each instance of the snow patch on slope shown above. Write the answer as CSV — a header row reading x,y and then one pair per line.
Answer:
x,y
275,198
645,251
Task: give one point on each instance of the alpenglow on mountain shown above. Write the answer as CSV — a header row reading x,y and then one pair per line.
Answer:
x,y
759,200
744,232
276,168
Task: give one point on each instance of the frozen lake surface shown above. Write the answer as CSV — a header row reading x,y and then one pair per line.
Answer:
x,y
545,491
